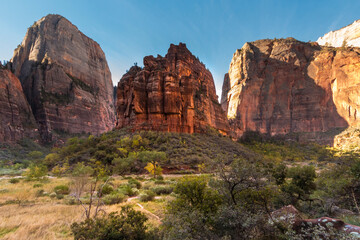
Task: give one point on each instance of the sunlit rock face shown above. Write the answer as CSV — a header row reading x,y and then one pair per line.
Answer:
x,y
65,77
16,117
175,93
281,87
349,35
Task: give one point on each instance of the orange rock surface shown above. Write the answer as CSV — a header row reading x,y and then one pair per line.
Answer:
x,y
16,117
174,93
66,79
281,87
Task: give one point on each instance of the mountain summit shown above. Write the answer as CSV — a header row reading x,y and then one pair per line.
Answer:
x,y
346,36
65,77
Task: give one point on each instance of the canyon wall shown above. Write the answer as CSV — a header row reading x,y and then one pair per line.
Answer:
x,y
174,93
66,79
282,87
16,117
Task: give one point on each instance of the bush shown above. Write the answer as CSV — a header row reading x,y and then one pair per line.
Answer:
x,y
160,177
35,172
128,224
59,196
62,190
37,185
14,180
147,196
134,183
139,178
159,190
160,182
106,189
128,190
40,193
52,195
69,200
114,198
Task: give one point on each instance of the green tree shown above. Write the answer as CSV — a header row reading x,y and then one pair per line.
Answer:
x,y
302,183
36,172
155,158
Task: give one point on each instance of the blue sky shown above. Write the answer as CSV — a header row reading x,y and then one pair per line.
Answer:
x,y
128,30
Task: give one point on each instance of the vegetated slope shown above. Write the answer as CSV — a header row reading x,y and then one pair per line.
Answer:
x,y
184,151
288,87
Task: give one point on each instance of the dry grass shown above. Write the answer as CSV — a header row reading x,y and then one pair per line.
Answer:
x,y
30,217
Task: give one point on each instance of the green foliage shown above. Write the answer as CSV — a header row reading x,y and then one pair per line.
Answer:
x,y
162,190
279,174
134,183
106,189
62,189
128,190
52,159
35,172
114,198
14,180
193,192
147,196
59,196
80,170
84,86
40,193
37,185
126,152
302,183
128,224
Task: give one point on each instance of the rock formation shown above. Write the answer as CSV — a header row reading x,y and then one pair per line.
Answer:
x,y
349,36
65,78
173,93
280,87
16,117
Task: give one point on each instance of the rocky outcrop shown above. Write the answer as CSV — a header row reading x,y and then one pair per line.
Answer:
x,y
16,117
65,78
346,36
281,87
174,93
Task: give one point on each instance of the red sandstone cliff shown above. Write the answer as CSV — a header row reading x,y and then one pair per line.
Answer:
x,y
173,93
16,118
65,78
286,86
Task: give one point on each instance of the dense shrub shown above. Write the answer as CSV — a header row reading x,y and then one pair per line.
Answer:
x,y
59,196
14,180
147,196
160,182
39,193
134,183
114,198
106,189
128,190
159,190
62,189
128,224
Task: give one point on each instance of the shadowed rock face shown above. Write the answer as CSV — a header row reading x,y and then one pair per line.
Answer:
x,y
16,118
280,87
174,93
65,78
